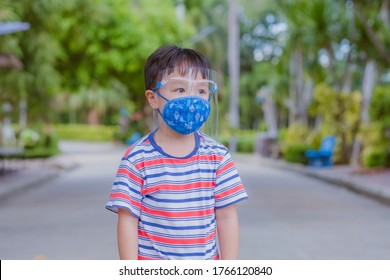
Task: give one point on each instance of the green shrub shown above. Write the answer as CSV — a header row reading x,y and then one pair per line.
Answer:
x,y
84,132
375,157
340,113
245,140
29,138
246,144
375,146
380,106
293,143
314,139
40,152
224,140
296,153
37,142
295,134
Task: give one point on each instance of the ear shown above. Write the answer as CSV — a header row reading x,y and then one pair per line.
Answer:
x,y
152,99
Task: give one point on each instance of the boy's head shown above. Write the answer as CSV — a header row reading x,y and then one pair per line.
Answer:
x,y
171,56
181,88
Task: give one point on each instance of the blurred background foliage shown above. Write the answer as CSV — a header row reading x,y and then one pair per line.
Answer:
x,y
325,65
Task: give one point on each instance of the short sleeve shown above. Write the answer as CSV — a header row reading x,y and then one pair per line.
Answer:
x,y
229,188
126,190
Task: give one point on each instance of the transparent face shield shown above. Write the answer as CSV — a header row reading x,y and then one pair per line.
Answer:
x,y
200,87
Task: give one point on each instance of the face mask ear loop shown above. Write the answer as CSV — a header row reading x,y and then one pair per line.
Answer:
x,y
156,91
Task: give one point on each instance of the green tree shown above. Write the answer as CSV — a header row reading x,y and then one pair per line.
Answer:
x,y
340,112
65,50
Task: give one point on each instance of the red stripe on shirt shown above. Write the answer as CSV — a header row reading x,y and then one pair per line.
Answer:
x,y
172,214
169,161
125,197
128,151
226,167
179,187
178,240
142,258
229,192
123,171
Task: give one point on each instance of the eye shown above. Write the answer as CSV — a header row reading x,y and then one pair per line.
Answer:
x,y
203,91
179,90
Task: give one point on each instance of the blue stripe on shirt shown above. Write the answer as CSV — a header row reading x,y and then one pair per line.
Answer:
x,y
179,227
176,174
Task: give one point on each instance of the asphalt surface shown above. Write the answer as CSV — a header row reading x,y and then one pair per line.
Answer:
x,y
54,209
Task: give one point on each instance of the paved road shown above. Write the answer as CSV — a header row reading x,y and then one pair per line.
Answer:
x,y
288,216
64,218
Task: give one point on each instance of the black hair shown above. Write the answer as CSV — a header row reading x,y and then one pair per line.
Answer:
x,y
171,56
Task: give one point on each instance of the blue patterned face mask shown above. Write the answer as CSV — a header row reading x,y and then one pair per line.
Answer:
x,y
185,114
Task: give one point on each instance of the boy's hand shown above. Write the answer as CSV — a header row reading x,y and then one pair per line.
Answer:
x,y
127,235
228,231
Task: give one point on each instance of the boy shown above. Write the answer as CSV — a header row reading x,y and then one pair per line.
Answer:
x,y
176,186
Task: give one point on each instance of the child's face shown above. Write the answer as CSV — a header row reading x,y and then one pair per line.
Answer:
x,y
184,115
175,83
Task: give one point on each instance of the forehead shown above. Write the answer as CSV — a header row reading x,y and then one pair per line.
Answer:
x,y
174,82
186,73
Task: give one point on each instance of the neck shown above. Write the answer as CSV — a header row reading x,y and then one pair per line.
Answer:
x,y
173,143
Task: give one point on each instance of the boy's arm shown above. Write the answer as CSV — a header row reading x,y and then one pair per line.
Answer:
x,y
127,230
228,231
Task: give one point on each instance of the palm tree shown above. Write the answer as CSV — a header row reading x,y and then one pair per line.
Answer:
x,y
373,28
91,104
313,26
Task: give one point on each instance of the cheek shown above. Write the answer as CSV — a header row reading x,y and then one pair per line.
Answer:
x,y
160,104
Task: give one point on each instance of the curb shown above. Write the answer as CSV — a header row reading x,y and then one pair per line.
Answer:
x,y
24,180
10,189
358,185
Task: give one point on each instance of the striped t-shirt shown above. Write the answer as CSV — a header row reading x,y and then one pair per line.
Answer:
x,y
175,198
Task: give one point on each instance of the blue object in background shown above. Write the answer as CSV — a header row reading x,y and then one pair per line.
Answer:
x,y
323,156
11,27
133,138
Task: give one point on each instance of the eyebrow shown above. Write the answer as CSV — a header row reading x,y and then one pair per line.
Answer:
x,y
187,80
